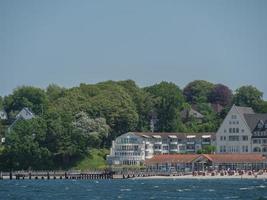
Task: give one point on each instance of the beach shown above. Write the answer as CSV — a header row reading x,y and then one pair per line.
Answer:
x,y
245,176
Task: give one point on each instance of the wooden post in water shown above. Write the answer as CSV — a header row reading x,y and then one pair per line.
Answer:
x,y
10,175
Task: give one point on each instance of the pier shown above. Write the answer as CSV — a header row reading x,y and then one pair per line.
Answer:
x,y
54,175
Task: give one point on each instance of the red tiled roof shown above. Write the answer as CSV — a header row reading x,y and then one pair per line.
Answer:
x,y
215,158
173,158
235,158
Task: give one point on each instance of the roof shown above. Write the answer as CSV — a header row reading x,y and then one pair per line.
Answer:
x,y
181,135
214,158
172,158
188,112
253,119
236,158
245,110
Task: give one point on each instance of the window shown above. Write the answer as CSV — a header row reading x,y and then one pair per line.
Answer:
x,y
165,147
233,130
257,149
230,130
237,130
237,122
230,122
245,148
264,141
234,138
234,117
223,138
242,130
233,149
225,130
222,149
256,141
245,138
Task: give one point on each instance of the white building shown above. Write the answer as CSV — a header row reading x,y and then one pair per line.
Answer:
x,y
134,148
3,115
24,114
238,132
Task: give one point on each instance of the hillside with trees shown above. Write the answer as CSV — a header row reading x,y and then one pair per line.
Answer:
x,y
71,123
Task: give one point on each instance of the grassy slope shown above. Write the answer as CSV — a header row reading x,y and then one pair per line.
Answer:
x,y
95,160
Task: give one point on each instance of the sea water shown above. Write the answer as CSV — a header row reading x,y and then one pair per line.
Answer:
x,y
188,189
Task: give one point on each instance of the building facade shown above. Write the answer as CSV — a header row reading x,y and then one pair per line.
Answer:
x,y
242,131
204,162
134,148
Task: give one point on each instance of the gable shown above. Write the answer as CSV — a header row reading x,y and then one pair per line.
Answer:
x,y
233,120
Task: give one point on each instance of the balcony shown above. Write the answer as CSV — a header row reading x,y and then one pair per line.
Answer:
x,y
174,150
173,142
158,142
206,143
157,150
190,142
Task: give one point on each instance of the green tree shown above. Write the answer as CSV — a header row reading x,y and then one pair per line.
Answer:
x,y
169,101
198,91
54,92
95,131
143,101
24,146
248,96
26,96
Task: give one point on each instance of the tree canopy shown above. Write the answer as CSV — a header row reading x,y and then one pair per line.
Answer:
x,y
69,123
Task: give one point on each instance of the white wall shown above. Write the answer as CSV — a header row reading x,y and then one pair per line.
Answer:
x,y
233,120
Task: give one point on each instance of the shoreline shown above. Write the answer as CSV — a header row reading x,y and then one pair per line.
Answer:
x,y
263,177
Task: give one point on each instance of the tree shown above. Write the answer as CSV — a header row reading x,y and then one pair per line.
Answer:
x,y
27,96
207,149
169,101
221,94
24,146
95,131
248,96
1,103
198,91
143,101
54,92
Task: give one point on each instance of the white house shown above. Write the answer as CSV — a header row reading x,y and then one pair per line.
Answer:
x,y
3,115
134,148
238,132
24,114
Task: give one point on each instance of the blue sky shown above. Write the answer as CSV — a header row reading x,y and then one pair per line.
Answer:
x,y
69,42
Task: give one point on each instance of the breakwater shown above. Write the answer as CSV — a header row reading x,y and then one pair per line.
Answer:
x,y
34,175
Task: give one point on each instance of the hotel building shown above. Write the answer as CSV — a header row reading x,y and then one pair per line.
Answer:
x,y
134,148
242,131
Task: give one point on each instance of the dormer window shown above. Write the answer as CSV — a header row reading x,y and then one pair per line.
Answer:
x,y
260,124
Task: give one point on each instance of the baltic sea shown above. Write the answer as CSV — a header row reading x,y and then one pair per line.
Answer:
x,y
133,189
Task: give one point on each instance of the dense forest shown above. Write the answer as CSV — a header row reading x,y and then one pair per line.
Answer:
x,y
71,122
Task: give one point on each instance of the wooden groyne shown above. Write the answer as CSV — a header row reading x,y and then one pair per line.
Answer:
x,y
76,175
48,175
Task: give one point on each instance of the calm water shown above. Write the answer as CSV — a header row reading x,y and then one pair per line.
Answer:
x,y
133,189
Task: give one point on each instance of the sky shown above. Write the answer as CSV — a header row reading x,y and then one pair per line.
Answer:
x,y
68,42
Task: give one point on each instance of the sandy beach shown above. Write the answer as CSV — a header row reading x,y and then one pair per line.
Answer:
x,y
263,176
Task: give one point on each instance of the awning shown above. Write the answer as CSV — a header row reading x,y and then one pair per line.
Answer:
x,y
156,136
190,136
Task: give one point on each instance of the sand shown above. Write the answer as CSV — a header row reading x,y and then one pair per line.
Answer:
x,y
263,176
